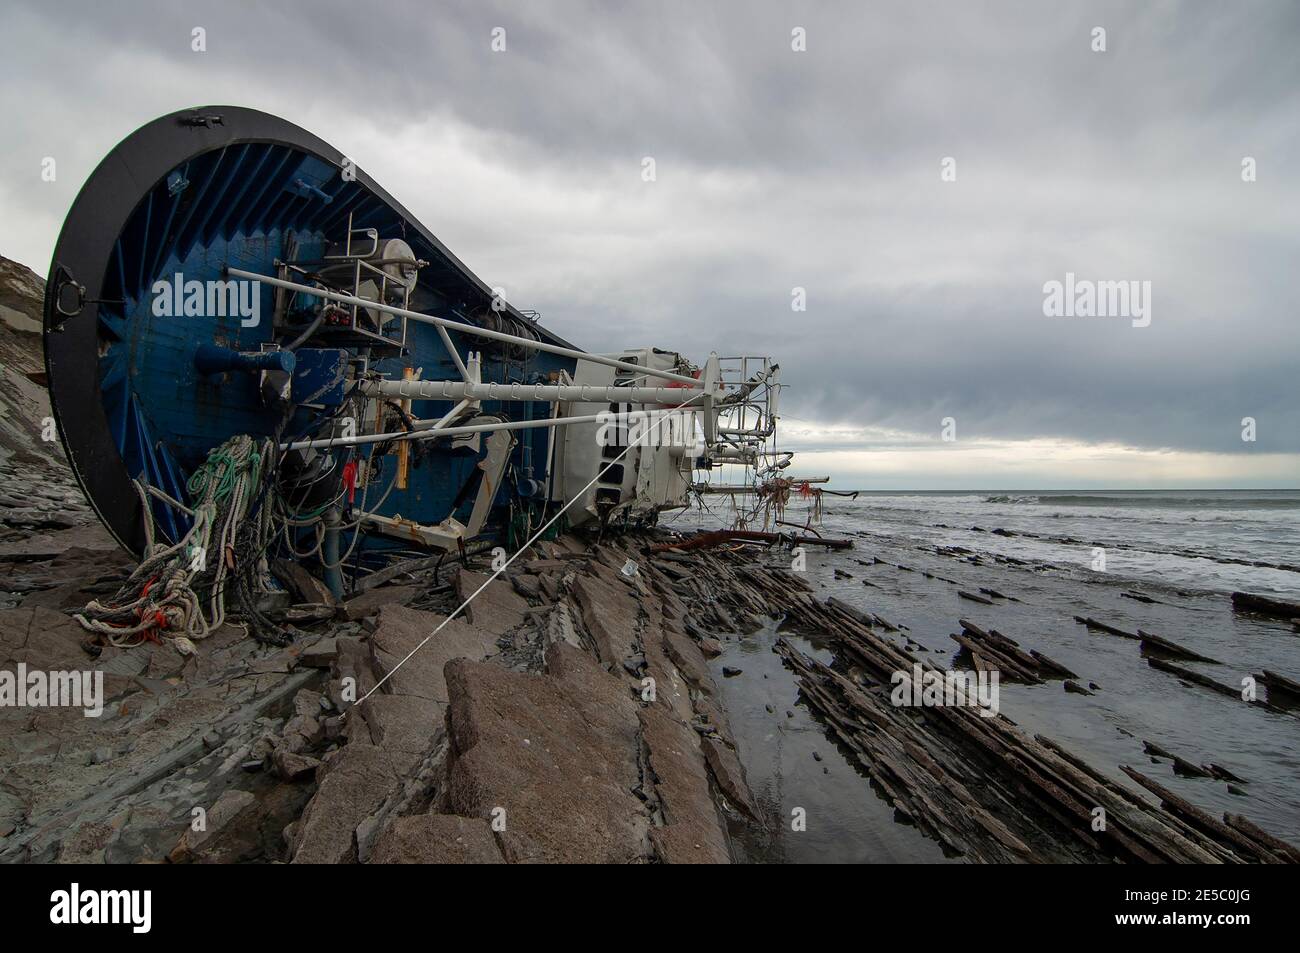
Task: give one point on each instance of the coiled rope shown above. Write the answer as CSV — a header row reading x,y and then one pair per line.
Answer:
x,y
159,602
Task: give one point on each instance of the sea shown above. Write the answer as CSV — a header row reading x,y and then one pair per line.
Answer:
x,y
1221,540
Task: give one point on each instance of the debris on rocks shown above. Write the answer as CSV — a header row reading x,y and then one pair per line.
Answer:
x,y
951,770
720,537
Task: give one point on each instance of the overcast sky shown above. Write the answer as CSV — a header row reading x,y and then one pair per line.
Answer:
x,y
775,169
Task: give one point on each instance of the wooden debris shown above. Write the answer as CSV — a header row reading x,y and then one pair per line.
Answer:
x,y
304,614
864,618
1195,677
308,589
1278,846
1243,844
1006,654
1102,626
1137,596
924,789
381,576
1181,765
1220,773
711,538
1263,605
943,767
992,593
1051,664
1280,685
1009,668
976,784
1159,644
973,597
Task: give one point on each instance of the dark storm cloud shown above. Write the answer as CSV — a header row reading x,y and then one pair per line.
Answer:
x,y
779,169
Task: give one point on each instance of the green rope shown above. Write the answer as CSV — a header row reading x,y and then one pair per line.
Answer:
x,y
221,468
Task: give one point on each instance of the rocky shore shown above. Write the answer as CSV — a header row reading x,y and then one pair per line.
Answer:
x,y
568,715
37,490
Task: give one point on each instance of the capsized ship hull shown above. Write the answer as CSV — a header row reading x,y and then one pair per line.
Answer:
x,y
224,272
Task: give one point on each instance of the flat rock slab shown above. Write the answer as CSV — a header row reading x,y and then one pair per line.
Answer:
x,y
49,545
69,595
538,566
557,753
497,609
291,766
437,839
398,630
356,781
670,686
729,775
692,832
320,654
371,601
688,658
527,585
352,659
610,614
570,544
308,588
43,638
403,723
227,807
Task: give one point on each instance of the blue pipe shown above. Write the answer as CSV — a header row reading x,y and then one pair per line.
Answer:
x,y
214,359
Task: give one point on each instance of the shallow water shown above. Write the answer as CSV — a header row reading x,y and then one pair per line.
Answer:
x,y
1208,539
848,822
844,821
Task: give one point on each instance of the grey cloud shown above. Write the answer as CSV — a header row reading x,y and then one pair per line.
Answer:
x,y
779,169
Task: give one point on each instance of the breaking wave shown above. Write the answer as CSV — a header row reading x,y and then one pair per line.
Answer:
x,y
1236,500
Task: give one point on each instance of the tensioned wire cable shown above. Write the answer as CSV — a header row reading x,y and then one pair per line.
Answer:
x,y
524,548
